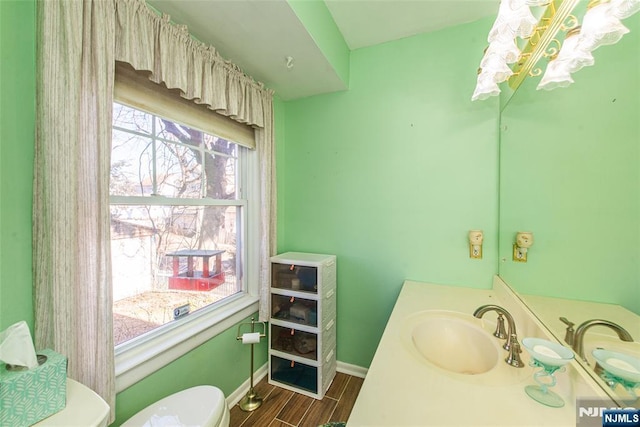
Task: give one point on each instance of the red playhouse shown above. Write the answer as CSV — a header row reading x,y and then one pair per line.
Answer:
x,y
191,280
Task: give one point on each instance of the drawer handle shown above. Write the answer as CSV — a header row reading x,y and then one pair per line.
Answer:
x,y
329,294
329,325
293,331
292,363
326,359
292,267
292,299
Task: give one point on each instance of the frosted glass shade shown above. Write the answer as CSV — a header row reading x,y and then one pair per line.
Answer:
x,y
486,87
514,20
557,75
600,28
496,67
573,56
536,2
505,49
623,9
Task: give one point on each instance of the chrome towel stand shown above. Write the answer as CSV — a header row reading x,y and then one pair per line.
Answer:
x,y
252,400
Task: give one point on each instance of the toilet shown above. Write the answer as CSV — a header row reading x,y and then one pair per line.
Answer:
x,y
84,408
203,406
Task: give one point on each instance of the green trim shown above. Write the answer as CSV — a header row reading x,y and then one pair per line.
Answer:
x,y
318,21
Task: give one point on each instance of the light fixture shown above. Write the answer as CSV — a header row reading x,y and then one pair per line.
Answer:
x,y
518,41
475,244
524,240
570,59
601,27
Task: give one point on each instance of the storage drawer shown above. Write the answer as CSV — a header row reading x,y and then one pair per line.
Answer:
x,y
302,329
294,277
295,342
294,374
292,309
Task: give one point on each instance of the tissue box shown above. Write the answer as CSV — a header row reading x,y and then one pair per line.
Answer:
x,y
27,397
299,313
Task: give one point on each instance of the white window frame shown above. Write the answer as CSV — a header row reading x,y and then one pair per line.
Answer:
x,y
140,357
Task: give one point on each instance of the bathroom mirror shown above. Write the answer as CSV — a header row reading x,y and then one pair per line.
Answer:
x,y
596,336
570,173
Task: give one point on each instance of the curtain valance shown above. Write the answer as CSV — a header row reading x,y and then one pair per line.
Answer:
x,y
152,43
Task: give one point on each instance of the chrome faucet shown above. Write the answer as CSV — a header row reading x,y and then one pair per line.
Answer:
x,y
511,345
578,337
569,335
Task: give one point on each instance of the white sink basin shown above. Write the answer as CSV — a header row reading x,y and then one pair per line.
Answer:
x,y
453,341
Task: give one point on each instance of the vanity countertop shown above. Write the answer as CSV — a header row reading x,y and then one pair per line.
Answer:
x,y
400,389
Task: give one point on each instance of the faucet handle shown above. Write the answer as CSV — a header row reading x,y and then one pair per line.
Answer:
x,y
513,357
569,335
500,331
567,322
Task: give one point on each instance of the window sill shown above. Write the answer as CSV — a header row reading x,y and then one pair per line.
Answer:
x,y
134,361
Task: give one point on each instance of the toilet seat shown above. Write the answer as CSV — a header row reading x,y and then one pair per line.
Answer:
x,y
203,406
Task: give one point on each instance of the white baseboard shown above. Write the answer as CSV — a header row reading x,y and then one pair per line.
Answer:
x,y
353,370
240,392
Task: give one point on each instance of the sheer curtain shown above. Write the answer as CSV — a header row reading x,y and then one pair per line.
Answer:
x,y
78,44
72,267
268,243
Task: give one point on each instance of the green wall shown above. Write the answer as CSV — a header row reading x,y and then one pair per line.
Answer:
x,y
17,124
279,136
390,176
570,173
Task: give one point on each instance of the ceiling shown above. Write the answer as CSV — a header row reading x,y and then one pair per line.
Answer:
x,y
258,35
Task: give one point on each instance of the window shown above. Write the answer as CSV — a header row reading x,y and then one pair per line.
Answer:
x,y
176,221
184,195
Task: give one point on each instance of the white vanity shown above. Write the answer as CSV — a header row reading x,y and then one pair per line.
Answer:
x,y
407,386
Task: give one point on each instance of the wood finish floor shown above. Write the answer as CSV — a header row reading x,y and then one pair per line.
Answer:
x,y
284,408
